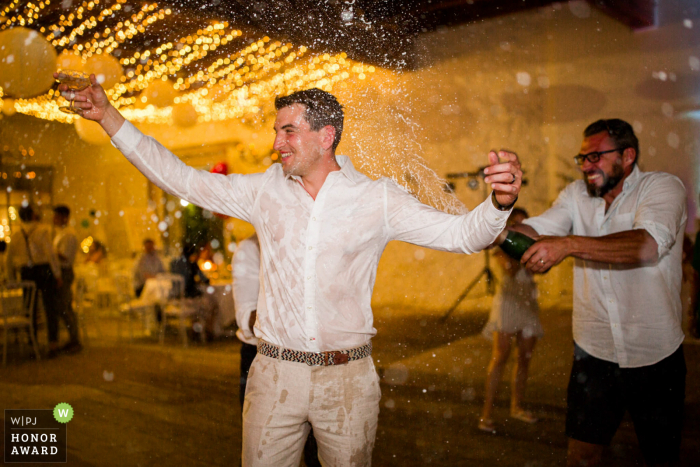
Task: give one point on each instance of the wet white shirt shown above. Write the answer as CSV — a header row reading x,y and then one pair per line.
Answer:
x,y
65,243
246,286
38,238
318,257
630,315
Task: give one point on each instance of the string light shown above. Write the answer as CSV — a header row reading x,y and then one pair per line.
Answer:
x,y
239,84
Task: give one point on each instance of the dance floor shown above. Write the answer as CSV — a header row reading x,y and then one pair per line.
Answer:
x,y
142,403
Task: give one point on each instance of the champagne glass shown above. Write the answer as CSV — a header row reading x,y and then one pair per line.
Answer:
x,y
76,81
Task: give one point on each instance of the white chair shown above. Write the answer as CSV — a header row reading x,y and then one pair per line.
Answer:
x,y
17,303
129,306
85,306
177,307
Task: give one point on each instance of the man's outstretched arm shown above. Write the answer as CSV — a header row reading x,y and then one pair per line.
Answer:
x,y
233,195
628,247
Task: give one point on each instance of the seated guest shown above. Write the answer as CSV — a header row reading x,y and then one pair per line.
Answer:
x,y
96,252
148,265
187,267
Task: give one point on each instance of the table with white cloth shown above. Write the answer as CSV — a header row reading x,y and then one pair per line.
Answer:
x,y
156,291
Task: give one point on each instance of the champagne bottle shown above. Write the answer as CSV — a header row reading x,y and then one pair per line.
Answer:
x,y
514,244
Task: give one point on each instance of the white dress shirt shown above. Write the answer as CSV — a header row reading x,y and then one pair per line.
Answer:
x,y
148,265
246,286
318,257
38,238
627,314
65,244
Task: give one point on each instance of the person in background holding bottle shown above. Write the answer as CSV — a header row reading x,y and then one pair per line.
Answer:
x,y
514,314
624,228
246,286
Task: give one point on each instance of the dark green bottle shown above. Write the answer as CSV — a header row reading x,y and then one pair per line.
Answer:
x,y
514,243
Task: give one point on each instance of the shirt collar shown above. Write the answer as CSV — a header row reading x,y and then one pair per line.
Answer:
x,y
632,178
346,169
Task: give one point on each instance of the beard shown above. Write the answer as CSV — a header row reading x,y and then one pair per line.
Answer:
x,y
609,181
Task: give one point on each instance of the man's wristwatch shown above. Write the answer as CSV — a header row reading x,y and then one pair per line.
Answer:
x,y
499,206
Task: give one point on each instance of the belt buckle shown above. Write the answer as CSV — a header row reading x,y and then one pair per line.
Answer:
x,y
337,358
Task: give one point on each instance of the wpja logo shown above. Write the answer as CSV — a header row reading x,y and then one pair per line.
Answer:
x,y
37,435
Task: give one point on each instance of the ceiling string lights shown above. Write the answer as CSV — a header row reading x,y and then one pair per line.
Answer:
x,y
215,69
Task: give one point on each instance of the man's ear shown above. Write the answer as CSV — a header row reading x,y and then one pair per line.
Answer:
x,y
629,156
327,136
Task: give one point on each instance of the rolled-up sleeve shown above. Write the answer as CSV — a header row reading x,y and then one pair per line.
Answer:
x,y
232,195
662,210
409,220
558,220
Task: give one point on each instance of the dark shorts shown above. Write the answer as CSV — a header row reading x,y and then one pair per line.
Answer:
x,y
600,392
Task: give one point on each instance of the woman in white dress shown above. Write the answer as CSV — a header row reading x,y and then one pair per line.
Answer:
x,y
514,316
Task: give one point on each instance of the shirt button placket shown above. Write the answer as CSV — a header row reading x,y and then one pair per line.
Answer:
x,y
312,233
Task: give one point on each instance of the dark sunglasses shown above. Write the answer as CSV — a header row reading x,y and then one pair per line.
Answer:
x,y
593,157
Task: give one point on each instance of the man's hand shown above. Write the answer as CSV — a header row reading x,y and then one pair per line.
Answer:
x,y
505,177
251,321
92,103
546,253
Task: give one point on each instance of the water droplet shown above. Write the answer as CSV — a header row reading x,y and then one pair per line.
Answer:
x,y
673,140
667,109
580,8
523,78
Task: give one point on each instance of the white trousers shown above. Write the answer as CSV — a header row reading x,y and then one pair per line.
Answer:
x,y
283,399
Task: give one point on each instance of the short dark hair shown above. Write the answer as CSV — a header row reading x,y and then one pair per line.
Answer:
x,y
322,109
62,210
148,240
26,213
620,131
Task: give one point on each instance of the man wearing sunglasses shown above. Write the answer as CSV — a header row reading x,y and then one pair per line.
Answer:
x,y
624,229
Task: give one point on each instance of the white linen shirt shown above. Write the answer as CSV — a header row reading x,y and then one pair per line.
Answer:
x,y
318,257
40,252
246,286
65,244
148,264
626,314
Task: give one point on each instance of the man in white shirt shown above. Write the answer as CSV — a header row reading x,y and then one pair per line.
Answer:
x,y
31,257
65,244
148,265
322,228
624,228
246,287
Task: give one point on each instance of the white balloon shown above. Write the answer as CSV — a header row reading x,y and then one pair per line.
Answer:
x,y
69,61
159,93
91,132
106,68
8,107
184,114
27,63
